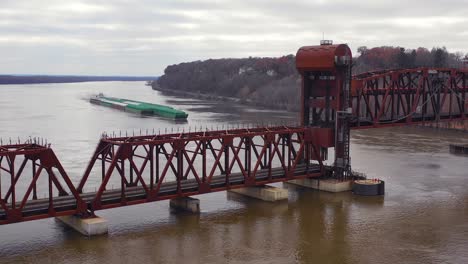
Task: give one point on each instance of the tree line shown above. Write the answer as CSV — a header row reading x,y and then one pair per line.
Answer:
x,y
274,82
388,57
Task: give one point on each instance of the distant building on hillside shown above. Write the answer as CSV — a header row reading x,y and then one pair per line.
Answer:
x,y
465,62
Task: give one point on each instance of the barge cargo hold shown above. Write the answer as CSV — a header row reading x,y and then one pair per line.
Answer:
x,y
138,107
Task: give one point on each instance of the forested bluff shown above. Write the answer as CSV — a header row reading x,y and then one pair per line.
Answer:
x,y
275,83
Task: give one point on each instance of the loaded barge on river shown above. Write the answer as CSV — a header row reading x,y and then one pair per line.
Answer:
x,y
138,107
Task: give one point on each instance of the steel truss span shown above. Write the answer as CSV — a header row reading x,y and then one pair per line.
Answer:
x,y
133,170
31,176
399,97
139,169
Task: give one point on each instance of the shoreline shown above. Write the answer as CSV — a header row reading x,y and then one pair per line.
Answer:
x,y
219,98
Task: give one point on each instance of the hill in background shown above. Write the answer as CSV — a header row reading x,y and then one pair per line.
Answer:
x,y
275,83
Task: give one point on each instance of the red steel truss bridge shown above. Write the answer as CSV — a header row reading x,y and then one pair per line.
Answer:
x,y
140,169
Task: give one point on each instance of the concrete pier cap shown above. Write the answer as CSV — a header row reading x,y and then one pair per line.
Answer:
x,y
186,204
263,192
87,226
328,185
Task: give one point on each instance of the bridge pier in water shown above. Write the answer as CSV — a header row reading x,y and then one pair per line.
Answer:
x,y
92,226
186,204
263,192
328,185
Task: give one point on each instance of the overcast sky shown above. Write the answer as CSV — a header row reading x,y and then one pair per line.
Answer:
x,y
142,37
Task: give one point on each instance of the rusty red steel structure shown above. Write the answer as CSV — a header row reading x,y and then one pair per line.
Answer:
x,y
21,205
139,169
158,167
325,97
405,96
184,164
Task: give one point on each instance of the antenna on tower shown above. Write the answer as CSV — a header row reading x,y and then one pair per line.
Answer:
x,y
325,41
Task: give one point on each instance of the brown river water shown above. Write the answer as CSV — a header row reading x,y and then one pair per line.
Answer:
x,y
423,218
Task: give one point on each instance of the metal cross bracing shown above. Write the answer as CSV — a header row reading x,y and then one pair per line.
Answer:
x,y
132,170
31,176
405,96
166,166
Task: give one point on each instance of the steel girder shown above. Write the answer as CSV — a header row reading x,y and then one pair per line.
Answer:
x,y
405,96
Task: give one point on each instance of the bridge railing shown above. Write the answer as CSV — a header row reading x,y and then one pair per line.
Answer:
x,y
149,168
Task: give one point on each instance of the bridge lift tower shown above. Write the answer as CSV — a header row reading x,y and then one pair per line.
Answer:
x,y
325,98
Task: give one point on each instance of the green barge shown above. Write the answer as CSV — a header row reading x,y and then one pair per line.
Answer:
x,y
138,107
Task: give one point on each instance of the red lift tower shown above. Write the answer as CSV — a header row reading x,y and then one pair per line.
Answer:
x,y
325,96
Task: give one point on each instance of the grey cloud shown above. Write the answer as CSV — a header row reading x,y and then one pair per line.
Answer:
x,y
143,37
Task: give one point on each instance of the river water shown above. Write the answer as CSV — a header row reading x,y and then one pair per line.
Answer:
x,y
423,217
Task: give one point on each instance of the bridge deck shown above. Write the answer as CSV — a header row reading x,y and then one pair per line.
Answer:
x,y
113,198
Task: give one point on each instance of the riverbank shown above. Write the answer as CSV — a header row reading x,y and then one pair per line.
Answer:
x,y
218,98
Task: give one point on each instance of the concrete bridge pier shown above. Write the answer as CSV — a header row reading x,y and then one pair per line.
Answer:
x,y
186,204
87,226
328,185
263,192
